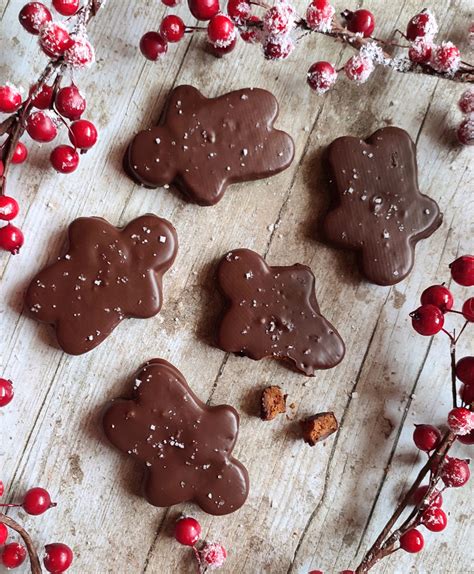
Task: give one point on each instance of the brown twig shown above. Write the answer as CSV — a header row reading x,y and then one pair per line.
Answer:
x,y
34,558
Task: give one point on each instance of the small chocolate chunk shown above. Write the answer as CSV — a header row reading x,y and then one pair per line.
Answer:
x,y
273,403
318,427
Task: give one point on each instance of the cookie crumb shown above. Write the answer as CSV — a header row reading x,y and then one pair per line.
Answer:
x,y
273,403
318,427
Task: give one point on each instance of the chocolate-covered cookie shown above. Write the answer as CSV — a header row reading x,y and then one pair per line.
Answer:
x,y
273,312
377,208
105,275
201,145
184,445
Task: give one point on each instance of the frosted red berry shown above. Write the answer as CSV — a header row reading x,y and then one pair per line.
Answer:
x,y
462,270
277,47
83,134
10,99
468,309
33,16
8,208
187,531
412,541
465,370
6,393
434,519
427,320
40,127
172,28
423,25
221,31
70,103
321,77
13,555
467,438
439,296
455,472
153,46
360,22
461,421
465,131
37,501
358,68
58,558
420,51
11,239
203,9
279,19
54,39
466,102
3,534
220,51
446,58
81,54
64,159
20,154
212,555
319,15
426,437
42,98
436,499
239,10
66,7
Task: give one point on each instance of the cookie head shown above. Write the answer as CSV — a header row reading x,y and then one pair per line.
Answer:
x,y
184,445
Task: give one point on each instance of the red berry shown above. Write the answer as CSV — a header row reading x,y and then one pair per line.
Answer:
x,y
347,572
20,154
13,555
6,395
2,168
153,46
358,68
436,500
64,159
212,555
455,472
434,519
361,22
187,531
70,103
465,370
54,39
420,50
315,572
41,127
277,47
465,132
203,9
33,16
467,394
468,309
11,239
8,208
239,10
171,3
461,421
427,320
446,58
321,77
412,541
81,54
467,438
172,28
66,7
279,19
466,102
422,25
319,15
58,558
439,296
83,134
10,99
426,437
462,270
2,488
43,98
220,51
37,501
221,31
3,534
251,34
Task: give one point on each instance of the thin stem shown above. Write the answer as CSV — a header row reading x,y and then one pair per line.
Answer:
x,y
453,374
34,558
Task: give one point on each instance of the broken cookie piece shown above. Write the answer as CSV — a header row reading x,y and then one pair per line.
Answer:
x,y
273,403
318,427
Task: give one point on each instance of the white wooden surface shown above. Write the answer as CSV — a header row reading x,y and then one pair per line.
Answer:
x,y
308,508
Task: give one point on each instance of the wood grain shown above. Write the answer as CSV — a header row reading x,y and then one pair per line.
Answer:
x,y
308,508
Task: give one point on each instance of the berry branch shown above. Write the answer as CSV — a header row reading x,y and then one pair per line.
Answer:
x,y
67,51
34,558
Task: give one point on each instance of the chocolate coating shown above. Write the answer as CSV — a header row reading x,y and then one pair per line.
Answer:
x,y
377,208
184,444
105,275
273,312
203,144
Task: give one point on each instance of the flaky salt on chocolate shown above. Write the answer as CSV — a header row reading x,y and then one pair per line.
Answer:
x,y
273,403
319,427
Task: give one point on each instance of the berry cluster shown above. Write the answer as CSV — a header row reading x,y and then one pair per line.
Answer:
x,y
465,131
57,557
48,105
274,30
209,555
